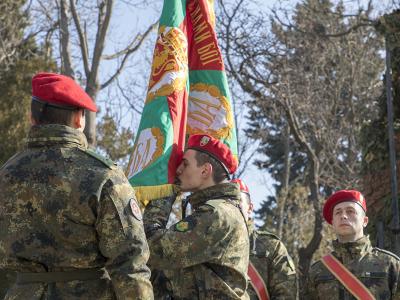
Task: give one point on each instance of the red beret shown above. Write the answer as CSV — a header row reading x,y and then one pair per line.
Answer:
x,y
61,91
243,187
342,196
215,148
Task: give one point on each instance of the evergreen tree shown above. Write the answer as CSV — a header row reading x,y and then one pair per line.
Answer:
x,y
316,74
22,58
114,141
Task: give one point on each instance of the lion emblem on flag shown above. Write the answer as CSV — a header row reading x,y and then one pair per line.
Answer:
x,y
169,71
209,111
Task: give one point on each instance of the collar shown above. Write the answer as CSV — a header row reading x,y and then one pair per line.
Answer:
x,y
219,191
250,226
358,248
53,134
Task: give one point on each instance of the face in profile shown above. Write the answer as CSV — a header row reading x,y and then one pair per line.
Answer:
x,y
189,174
246,205
349,220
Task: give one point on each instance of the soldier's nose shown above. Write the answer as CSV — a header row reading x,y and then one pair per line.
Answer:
x,y
179,170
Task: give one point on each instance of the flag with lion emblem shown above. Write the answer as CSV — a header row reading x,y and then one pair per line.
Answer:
x,y
187,94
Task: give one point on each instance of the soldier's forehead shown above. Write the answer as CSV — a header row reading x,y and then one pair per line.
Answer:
x,y
345,204
189,153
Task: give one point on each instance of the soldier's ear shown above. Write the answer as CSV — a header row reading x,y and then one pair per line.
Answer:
x,y
33,121
79,119
365,221
251,207
207,170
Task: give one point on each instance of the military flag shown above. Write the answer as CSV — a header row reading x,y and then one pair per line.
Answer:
x,y
210,108
186,57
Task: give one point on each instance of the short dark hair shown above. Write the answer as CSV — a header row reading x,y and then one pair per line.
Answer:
x,y
219,173
43,113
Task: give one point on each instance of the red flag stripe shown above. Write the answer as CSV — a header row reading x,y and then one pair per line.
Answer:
x,y
349,281
257,282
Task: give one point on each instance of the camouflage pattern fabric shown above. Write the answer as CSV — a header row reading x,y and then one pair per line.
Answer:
x,y
62,208
377,269
205,255
271,259
7,278
161,285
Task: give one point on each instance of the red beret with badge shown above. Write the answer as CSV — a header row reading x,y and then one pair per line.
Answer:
x,y
215,148
243,187
60,91
342,196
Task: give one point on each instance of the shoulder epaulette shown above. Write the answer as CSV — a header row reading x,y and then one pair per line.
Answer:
x,y
315,262
387,252
268,233
108,162
215,202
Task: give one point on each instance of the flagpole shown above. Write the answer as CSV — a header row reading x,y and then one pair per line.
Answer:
x,y
392,152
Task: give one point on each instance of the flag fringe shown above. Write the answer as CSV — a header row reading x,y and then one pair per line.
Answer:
x,y
145,194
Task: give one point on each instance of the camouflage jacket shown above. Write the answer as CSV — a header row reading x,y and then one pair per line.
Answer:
x,y
272,261
205,255
64,209
377,269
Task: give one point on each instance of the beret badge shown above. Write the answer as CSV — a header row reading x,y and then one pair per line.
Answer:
x,y
204,141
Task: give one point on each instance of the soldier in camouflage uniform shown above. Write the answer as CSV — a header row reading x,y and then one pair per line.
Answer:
x,y
69,222
269,257
205,255
377,269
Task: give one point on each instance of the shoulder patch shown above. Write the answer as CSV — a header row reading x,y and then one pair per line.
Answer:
x,y
135,209
387,252
107,162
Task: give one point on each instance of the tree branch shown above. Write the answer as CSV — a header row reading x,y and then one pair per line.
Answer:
x,y
128,52
82,38
66,65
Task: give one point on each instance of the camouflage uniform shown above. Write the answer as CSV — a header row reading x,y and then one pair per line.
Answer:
x,y
271,259
63,209
377,269
205,255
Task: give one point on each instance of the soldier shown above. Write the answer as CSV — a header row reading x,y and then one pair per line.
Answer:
x,y
271,269
355,269
205,255
69,222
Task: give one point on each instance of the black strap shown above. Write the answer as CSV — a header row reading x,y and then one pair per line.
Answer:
x,y
45,104
48,277
184,205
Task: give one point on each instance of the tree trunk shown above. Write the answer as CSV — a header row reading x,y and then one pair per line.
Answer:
x,y
285,179
306,254
90,128
66,65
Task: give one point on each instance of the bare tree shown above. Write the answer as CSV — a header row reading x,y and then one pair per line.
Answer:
x,y
82,43
316,75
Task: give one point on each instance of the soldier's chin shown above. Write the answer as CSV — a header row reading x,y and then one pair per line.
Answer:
x,y
345,230
184,189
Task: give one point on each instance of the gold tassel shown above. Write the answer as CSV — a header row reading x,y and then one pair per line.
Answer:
x,y
145,194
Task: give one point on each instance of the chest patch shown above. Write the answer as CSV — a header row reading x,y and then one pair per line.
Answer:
x,y
182,226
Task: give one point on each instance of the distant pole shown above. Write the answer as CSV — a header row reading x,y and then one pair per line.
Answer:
x,y
392,151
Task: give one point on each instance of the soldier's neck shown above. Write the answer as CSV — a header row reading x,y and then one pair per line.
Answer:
x,y
349,238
